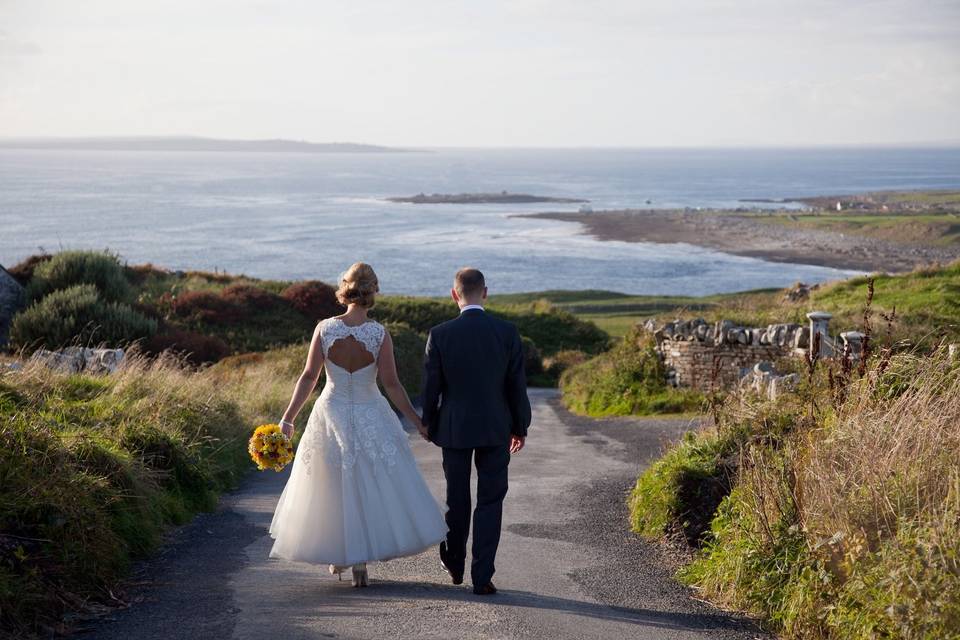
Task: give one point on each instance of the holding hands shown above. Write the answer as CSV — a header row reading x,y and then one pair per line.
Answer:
x,y
422,428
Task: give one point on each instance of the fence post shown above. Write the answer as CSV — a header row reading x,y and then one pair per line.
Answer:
x,y
853,343
818,326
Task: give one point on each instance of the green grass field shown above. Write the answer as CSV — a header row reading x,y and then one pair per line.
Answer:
x,y
616,313
940,229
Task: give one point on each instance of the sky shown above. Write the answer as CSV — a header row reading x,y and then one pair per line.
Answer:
x,y
527,73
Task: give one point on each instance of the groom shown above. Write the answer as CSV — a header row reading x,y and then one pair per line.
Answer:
x,y
475,406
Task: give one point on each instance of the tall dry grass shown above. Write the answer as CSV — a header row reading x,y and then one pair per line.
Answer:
x,y
844,515
892,453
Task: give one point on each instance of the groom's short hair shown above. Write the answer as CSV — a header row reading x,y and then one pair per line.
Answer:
x,y
469,282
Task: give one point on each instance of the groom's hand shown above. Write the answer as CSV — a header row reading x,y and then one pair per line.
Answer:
x,y
516,443
424,432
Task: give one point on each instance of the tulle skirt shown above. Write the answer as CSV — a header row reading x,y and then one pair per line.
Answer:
x,y
355,493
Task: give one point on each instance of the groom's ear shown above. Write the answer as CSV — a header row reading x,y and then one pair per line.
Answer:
x,y
453,294
484,293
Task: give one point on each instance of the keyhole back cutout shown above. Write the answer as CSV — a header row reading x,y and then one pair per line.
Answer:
x,y
349,354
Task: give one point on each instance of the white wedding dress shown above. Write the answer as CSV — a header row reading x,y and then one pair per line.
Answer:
x,y
355,493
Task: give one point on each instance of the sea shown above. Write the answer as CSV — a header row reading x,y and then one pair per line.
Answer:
x,y
309,216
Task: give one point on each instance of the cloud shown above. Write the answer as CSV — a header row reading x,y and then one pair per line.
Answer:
x,y
11,47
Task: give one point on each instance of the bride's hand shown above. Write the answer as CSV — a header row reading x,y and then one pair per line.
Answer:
x,y
424,432
287,429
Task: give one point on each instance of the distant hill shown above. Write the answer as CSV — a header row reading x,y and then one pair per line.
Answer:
x,y
189,143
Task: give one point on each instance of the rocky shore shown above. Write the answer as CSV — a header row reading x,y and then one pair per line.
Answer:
x,y
482,198
747,234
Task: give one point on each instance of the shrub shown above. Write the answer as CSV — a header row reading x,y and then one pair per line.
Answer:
x,y
23,271
418,314
196,348
250,298
205,307
314,299
559,362
628,379
78,315
555,330
532,361
68,268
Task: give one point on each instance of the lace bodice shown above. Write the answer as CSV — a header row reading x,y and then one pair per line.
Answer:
x,y
351,418
369,334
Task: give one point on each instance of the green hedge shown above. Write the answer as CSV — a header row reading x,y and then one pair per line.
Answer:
x,y
78,315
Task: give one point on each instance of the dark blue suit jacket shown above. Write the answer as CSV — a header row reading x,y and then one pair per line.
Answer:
x,y
475,388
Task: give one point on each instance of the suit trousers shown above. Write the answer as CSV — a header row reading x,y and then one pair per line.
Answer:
x,y
491,463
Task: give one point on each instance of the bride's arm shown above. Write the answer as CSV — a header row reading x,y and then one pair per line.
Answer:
x,y
306,383
391,384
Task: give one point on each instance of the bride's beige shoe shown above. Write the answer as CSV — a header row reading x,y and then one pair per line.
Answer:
x,y
360,575
336,570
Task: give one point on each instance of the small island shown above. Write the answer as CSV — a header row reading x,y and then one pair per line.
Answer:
x,y
482,198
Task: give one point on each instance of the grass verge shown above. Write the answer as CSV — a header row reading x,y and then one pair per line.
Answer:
x,y
94,468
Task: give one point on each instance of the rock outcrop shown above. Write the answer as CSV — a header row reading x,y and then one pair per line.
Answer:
x,y
11,301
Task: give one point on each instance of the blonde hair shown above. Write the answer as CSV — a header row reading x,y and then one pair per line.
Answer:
x,y
358,285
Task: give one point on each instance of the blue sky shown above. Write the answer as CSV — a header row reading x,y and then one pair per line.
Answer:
x,y
486,73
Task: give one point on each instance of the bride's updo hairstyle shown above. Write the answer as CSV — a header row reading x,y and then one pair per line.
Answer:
x,y
358,285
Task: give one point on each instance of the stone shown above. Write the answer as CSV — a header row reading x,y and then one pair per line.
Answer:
x,y
720,330
763,366
77,359
12,300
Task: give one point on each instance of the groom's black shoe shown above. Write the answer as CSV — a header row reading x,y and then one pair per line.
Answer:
x,y
485,589
447,563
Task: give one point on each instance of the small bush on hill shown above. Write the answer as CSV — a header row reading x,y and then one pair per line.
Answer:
x,y
68,268
78,315
628,379
250,298
23,271
314,299
205,307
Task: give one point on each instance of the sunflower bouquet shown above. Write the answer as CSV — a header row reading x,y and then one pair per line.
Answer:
x,y
270,448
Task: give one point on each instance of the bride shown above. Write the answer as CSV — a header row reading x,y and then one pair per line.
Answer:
x,y
355,493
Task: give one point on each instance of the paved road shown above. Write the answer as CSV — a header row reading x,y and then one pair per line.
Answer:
x,y
567,567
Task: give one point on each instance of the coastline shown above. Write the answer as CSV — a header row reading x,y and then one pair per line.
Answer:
x,y
746,234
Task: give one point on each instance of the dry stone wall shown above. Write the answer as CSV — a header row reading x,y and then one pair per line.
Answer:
x,y
709,356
